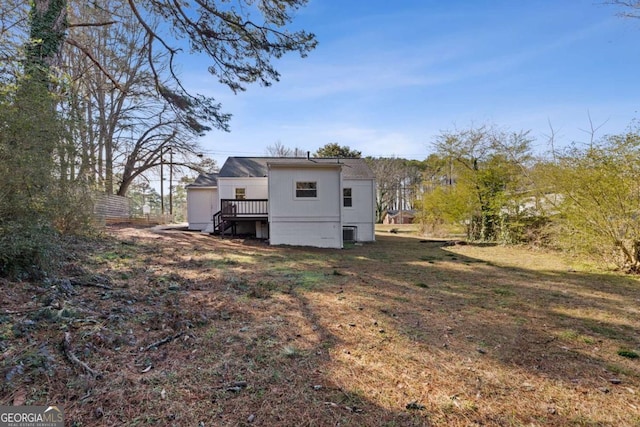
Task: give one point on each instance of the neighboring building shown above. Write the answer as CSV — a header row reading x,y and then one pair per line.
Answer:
x,y
202,201
318,202
399,217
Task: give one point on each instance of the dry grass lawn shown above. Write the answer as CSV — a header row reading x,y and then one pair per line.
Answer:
x,y
185,329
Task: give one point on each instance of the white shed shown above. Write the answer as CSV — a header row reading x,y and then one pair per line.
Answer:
x,y
202,202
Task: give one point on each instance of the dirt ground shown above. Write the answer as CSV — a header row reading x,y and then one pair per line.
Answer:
x,y
175,328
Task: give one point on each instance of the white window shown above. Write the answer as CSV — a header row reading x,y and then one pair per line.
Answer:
x,y
306,189
241,193
347,198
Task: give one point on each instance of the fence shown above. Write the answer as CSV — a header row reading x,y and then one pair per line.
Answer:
x,y
112,209
110,206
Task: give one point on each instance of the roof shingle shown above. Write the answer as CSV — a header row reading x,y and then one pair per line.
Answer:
x,y
236,167
205,180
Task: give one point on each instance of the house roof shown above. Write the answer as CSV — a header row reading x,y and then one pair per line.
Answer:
x,y
205,180
236,167
395,212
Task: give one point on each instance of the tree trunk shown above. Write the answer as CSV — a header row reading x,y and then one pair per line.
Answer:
x,y
37,142
48,30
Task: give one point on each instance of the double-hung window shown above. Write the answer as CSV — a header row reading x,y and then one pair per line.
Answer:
x,y
306,189
241,193
347,198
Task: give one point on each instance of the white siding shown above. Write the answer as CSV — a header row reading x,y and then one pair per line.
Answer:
x,y
361,213
305,221
256,188
318,234
202,203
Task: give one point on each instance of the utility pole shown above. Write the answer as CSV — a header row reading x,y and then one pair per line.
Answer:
x,y
161,182
171,182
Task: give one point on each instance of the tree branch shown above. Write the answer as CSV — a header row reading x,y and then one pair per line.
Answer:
x,y
92,24
163,341
66,346
93,59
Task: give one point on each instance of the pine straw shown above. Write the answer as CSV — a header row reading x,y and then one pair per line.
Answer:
x,y
395,333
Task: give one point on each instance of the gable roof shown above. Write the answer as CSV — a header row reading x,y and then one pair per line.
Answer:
x,y
205,180
236,167
395,212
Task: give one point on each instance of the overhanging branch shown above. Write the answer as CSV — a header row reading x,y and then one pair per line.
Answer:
x,y
92,24
93,59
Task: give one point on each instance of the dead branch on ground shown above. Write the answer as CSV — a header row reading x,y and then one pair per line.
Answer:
x,y
163,341
66,346
91,281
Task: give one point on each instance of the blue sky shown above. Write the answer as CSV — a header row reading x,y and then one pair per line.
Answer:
x,y
387,77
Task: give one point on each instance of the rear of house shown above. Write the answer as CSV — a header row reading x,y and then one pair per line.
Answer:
x,y
318,202
304,204
321,202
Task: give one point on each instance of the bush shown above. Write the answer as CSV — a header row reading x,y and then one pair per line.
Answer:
x,y
531,230
27,249
71,209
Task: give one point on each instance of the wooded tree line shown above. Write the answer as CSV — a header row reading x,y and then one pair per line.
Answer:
x,y
488,183
91,98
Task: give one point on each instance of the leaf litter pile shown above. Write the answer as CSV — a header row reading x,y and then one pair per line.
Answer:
x,y
168,327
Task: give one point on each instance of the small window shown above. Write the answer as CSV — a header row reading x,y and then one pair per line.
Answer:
x,y
306,189
241,193
347,199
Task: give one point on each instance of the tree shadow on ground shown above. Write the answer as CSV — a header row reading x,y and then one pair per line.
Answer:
x,y
559,330
396,332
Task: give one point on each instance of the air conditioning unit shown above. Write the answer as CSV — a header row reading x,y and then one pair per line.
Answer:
x,y
349,234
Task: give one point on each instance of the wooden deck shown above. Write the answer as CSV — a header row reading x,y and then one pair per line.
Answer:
x,y
233,211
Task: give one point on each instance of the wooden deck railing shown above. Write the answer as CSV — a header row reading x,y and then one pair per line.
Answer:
x,y
233,208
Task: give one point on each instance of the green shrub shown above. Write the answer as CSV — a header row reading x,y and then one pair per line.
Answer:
x,y
27,249
628,353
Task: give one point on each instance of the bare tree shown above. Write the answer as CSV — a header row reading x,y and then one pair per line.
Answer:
x,y
631,8
280,150
127,125
398,182
13,35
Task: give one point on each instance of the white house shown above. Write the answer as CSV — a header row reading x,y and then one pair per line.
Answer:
x,y
319,202
202,201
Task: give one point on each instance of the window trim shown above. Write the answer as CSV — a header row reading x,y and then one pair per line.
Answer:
x,y
349,197
244,191
301,197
